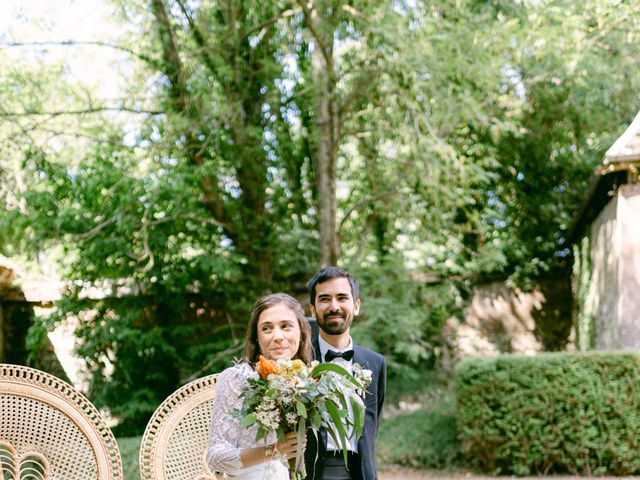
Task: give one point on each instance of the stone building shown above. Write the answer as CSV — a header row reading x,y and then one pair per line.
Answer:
x,y
606,247
16,317
501,319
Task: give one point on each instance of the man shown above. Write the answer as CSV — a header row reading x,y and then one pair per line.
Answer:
x,y
334,302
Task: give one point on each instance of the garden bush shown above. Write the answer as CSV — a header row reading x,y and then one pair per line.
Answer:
x,y
551,413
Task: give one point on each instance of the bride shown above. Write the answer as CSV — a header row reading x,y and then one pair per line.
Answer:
x,y
277,329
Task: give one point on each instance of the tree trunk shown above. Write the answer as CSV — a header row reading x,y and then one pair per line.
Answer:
x,y
327,124
2,359
246,224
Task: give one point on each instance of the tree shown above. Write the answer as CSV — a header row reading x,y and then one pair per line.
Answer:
x,y
443,140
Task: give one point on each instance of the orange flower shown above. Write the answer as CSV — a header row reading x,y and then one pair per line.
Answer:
x,y
266,367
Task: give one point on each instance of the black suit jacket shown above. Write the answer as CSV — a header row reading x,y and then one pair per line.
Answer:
x,y
316,449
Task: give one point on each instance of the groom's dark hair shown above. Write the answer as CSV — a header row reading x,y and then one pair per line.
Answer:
x,y
329,273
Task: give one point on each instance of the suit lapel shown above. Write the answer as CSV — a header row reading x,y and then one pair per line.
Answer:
x,y
316,350
359,358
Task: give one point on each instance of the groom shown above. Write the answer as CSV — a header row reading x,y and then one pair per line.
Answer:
x,y
334,301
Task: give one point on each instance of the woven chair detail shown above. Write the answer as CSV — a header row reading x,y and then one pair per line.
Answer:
x,y
49,430
31,465
174,443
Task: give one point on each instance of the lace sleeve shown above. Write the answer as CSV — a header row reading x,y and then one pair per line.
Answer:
x,y
223,450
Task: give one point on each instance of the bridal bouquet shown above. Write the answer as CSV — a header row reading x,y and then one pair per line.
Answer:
x,y
287,396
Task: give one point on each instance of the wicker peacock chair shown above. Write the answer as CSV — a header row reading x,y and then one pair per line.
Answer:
x,y
175,440
50,431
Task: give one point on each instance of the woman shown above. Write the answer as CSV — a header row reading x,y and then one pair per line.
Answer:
x,y
278,329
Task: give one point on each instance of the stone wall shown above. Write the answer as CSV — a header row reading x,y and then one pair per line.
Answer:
x,y
500,319
614,295
603,290
12,319
16,317
6,280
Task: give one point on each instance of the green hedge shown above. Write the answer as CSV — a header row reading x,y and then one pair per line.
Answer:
x,y
552,413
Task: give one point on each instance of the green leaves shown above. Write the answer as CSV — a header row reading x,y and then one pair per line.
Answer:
x,y
248,420
336,427
316,420
332,367
300,437
575,413
465,135
358,409
302,410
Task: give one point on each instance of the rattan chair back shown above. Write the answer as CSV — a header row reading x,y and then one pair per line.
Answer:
x,y
175,440
49,430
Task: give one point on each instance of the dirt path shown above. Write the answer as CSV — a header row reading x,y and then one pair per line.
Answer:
x,y
398,473
404,474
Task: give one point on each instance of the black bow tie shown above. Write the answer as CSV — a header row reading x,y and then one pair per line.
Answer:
x,y
331,354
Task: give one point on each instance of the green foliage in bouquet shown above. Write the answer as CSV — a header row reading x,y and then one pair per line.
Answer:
x,y
287,396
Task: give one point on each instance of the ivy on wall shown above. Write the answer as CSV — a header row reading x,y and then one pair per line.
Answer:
x,y
581,284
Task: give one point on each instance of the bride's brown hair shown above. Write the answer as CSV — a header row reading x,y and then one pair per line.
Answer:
x,y
251,345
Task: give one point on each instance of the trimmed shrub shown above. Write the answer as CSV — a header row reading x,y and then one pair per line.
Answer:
x,y
552,413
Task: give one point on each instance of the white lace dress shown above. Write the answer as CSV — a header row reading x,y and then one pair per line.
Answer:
x,y
227,439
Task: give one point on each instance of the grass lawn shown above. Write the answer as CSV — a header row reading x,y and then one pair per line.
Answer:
x,y
419,439
129,449
418,428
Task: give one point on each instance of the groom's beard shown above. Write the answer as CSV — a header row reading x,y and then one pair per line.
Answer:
x,y
334,323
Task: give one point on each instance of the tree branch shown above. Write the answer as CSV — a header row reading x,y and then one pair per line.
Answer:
x,y
95,230
148,253
316,35
187,216
218,356
361,85
284,14
31,113
172,63
74,43
199,38
354,13
363,201
179,96
88,235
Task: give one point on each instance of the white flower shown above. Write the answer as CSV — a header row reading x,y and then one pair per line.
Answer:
x,y
366,375
269,418
291,418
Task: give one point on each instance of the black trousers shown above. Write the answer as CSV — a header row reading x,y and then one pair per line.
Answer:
x,y
335,469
